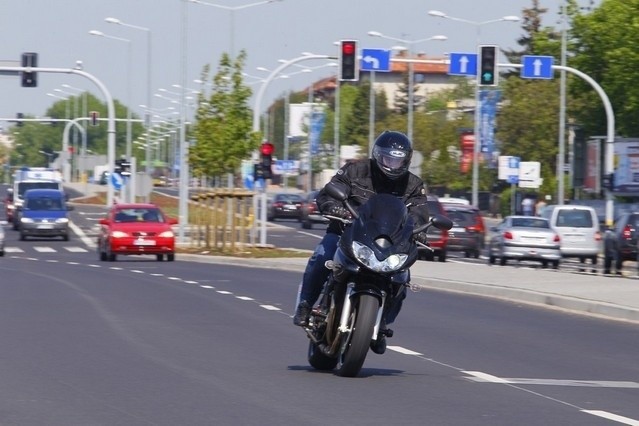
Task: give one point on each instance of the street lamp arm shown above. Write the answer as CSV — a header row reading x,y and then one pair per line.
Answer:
x,y
245,6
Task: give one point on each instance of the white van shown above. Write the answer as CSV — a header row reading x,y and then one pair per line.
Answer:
x,y
578,229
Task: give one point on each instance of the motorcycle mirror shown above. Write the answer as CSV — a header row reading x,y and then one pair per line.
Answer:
x,y
336,191
442,222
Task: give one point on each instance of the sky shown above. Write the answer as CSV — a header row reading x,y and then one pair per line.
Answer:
x,y
58,30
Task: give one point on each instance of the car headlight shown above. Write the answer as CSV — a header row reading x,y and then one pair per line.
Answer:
x,y
166,234
11,207
62,220
366,257
119,234
26,220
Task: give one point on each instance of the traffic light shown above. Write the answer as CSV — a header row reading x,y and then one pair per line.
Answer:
x,y
348,63
122,167
487,75
266,161
29,79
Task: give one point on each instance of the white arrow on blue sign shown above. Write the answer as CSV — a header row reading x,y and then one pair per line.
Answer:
x,y
463,64
537,66
375,60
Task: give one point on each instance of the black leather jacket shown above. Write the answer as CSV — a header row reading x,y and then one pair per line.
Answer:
x,y
365,179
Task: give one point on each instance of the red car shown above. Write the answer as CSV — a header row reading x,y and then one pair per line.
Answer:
x,y
138,228
437,238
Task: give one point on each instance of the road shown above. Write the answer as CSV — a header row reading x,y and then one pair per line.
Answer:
x,y
138,342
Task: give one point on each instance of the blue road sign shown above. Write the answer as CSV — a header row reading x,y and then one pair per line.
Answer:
x,y
537,66
375,60
463,64
116,181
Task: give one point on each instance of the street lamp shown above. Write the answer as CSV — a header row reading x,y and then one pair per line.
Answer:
x,y
128,86
411,76
148,168
232,10
477,147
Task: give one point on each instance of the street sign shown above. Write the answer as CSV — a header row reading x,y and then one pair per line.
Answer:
x,y
537,66
529,174
116,181
375,60
463,64
508,168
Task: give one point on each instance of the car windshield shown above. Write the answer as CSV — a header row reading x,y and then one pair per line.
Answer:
x,y
574,218
44,203
138,215
530,222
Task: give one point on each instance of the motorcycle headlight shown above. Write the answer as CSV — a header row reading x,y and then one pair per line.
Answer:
x,y
366,257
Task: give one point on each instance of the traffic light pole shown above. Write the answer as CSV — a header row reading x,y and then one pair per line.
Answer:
x,y
109,103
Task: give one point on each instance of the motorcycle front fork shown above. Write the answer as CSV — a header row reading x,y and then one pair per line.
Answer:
x,y
344,323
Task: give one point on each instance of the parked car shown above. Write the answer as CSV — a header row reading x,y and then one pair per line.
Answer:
x,y
9,206
1,239
468,232
524,238
437,238
309,212
620,243
454,200
578,228
134,229
284,205
44,213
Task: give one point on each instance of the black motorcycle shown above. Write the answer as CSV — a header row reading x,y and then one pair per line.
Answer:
x,y
369,272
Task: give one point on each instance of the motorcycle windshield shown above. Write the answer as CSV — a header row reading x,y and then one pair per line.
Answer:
x,y
382,216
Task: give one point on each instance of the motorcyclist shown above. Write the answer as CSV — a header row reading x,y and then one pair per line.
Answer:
x,y
386,172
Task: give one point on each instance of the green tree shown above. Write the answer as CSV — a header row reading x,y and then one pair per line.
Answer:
x,y
223,129
604,43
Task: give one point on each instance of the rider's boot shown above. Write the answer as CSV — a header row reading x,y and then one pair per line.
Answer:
x,y
302,313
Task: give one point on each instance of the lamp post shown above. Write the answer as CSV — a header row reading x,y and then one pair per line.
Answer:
x,y
128,86
148,168
411,74
476,147
232,10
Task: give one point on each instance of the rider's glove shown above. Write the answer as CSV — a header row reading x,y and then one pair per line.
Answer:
x,y
422,238
339,211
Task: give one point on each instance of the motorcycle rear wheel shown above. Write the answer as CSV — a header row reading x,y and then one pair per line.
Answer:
x,y
318,360
362,324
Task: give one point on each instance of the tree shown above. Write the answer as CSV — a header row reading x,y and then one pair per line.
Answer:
x,y
223,129
604,47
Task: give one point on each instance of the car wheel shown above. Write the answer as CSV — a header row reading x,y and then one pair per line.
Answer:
x,y
170,257
101,253
491,259
544,264
22,237
1,253
159,257
503,261
306,225
466,254
65,237
476,254
555,264
442,256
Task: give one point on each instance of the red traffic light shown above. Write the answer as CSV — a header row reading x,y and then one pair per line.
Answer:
x,y
348,47
267,148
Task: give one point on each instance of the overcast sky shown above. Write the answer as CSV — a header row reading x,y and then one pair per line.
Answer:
x,y
58,30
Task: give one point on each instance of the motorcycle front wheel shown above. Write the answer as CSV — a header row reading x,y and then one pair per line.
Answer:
x,y
362,323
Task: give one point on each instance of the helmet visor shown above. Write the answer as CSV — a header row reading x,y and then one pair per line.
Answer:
x,y
393,159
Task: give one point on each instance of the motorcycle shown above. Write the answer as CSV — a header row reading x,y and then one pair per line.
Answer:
x,y
369,272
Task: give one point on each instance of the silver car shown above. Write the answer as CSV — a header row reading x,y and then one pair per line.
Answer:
x,y
524,238
2,223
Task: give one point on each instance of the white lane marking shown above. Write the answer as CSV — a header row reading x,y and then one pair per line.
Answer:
x,y
13,250
74,249
52,261
190,282
157,275
43,249
270,307
83,237
245,298
206,286
483,377
93,265
402,350
136,271
224,292
174,278
73,263
613,417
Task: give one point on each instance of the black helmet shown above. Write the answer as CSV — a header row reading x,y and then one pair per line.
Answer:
x,y
392,153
